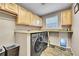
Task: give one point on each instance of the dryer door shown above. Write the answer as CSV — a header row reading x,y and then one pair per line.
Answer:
x,y
38,44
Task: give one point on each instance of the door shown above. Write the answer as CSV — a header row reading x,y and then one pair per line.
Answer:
x,y
38,45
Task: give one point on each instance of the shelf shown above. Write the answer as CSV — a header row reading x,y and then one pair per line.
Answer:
x,y
59,46
62,31
27,32
35,31
59,30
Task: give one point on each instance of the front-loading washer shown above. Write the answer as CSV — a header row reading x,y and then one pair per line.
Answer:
x,y
39,42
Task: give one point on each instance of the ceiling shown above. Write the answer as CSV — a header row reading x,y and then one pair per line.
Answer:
x,y
45,8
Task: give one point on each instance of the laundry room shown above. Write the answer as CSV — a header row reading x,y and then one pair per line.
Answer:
x,y
39,29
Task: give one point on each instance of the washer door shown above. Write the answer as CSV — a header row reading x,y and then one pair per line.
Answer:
x,y
38,44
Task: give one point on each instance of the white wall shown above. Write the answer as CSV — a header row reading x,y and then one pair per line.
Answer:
x,y
21,39
7,26
75,27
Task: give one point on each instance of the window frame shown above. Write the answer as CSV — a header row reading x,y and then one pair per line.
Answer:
x,y
59,21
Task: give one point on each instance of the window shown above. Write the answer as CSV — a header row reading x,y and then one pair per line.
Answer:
x,y
52,22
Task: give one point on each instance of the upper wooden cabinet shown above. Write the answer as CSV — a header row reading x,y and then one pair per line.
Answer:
x,y
33,19
36,20
23,17
28,17
11,7
41,23
66,17
1,5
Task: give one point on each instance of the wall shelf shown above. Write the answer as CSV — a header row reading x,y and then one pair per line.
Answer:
x,y
59,30
27,32
62,31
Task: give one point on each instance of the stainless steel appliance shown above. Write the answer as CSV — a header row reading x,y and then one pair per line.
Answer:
x,y
12,50
39,42
2,51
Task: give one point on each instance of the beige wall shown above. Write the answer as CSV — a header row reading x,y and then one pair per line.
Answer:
x,y
75,27
7,26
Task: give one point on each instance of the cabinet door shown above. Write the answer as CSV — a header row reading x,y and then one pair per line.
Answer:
x,y
37,20
1,5
28,17
11,7
40,19
66,17
21,16
69,17
33,20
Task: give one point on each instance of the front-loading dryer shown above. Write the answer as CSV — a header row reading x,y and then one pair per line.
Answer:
x,y
38,43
